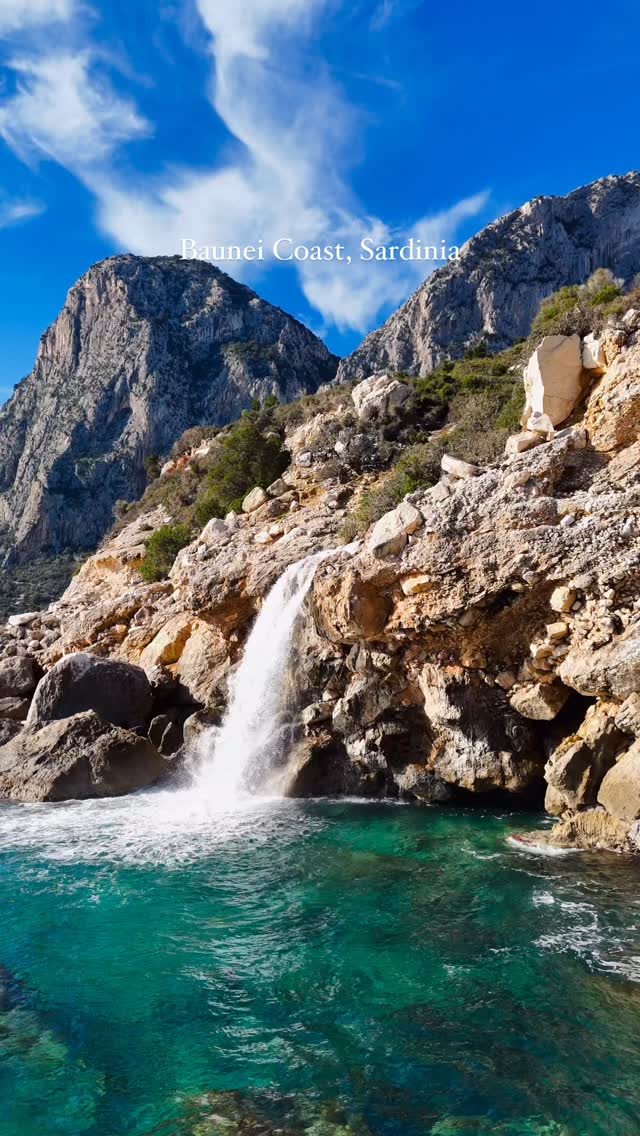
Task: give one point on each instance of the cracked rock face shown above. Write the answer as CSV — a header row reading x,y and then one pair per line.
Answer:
x,y
483,647
143,349
494,290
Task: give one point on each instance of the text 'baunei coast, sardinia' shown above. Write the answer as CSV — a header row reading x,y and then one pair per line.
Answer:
x,y
285,249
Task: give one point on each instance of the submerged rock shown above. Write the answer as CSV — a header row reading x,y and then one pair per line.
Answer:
x,y
267,1114
485,1126
591,828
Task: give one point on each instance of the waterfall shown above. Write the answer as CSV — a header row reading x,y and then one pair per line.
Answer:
x,y
238,758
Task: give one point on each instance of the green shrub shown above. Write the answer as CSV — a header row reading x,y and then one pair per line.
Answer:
x,y
481,420
161,550
579,309
606,294
478,350
600,281
560,313
303,409
510,413
247,457
152,467
417,468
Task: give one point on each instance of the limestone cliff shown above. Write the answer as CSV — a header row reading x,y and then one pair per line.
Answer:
x,y
494,290
482,640
143,349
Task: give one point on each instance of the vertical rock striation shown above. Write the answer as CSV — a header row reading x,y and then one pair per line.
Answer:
x,y
143,349
494,290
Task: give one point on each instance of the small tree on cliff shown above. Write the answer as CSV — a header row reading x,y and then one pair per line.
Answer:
x,y
161,550
249,457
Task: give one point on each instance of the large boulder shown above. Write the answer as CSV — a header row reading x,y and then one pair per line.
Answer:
x,y
18,676
620,791
553,379
390,534
254,500
612,671
379,396
572,777
119,692
540,701
77,758
578,764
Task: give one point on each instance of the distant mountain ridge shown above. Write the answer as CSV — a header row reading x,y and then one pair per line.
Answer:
x,y
146,347
494,290
143,349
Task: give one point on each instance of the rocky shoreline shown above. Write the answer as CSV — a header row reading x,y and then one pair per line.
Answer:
x,y
483,639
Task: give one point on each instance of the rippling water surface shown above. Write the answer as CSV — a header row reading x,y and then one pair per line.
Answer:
x,y
325,967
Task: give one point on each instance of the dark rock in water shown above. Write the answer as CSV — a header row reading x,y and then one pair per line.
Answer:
x,y
119,692
77,758
265,1114
18,676
196,724
165,732
486,1126
10,990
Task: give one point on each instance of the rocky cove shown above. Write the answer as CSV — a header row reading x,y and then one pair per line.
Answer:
x,y
480,642
319,789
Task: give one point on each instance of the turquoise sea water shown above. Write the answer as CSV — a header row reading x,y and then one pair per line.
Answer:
x,y
393,969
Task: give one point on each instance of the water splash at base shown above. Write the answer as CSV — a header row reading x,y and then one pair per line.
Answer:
x,y
246,755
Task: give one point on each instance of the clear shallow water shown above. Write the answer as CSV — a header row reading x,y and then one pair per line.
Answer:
x,y
397,968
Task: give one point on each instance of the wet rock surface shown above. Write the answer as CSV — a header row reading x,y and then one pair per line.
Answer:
x,y
78,757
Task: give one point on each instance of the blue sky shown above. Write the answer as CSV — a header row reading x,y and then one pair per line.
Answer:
x,y
130,125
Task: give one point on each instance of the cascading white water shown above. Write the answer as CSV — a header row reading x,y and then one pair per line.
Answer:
x,y
237,759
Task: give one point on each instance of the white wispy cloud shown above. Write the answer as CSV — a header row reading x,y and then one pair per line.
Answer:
x,y
14,212
287,174
62,111
351,295
382,15
16,15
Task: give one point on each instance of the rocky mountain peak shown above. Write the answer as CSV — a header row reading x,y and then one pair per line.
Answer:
x,y
494,290
143,349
